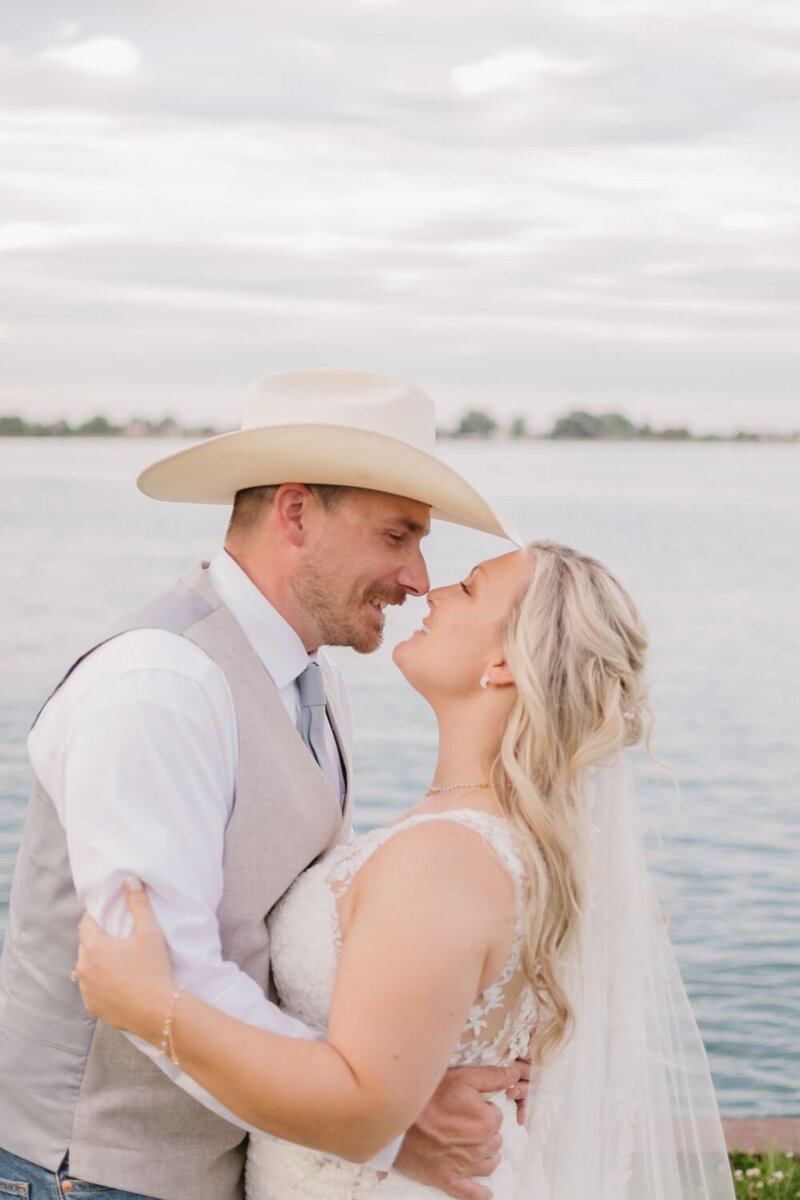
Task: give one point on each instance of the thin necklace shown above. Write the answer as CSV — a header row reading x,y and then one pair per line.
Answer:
x,y
452,787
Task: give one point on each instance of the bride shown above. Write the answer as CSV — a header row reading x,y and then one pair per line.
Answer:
x,y
508,912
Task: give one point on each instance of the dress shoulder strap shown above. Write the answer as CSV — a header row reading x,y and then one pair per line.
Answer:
x,y
494,830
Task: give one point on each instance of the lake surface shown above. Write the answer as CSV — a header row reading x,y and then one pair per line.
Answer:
x,y
706,537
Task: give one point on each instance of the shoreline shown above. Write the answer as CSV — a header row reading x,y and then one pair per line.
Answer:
x,y
758,1134
442,437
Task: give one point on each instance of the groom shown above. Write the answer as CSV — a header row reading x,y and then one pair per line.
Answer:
x,y
203,745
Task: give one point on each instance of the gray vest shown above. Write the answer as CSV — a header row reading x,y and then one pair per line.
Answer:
x,y
68,1083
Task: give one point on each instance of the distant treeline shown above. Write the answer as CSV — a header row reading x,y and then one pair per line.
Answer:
x,y
475,424
608,427
101,427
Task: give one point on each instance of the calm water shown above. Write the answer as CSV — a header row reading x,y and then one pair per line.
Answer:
x,y
705,536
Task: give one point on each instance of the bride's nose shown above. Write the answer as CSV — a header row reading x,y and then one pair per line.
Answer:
x,y
437,594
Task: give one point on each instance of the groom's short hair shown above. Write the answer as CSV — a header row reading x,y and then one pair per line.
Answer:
x,y
250,503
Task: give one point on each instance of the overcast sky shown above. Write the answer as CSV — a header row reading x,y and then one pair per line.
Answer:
x,y
524,206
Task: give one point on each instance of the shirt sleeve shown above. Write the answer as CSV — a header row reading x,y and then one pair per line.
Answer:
x,y
142,764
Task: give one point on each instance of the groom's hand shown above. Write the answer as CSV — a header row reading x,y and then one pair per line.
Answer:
x,y
458,1134
519,1092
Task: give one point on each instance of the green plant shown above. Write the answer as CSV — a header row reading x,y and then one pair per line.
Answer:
x,y
768,1176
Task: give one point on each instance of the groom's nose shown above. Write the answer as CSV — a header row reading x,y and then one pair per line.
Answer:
x,y
414,575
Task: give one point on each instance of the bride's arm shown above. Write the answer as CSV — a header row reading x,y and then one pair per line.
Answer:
x,y
425,912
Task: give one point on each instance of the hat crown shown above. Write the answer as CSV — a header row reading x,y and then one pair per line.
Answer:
x,y
345,428
361,400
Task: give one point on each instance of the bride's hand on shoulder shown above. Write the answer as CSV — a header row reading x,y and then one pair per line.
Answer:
x,y
126,982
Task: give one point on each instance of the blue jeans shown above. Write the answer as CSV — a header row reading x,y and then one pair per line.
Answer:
x,y
26,1181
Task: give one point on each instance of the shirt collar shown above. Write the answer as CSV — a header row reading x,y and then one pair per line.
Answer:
x,y
274,640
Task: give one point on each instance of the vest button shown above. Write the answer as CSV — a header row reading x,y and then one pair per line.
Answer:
x,y
66,1186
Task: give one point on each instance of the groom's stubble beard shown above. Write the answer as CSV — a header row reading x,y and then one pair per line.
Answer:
x,y
343,619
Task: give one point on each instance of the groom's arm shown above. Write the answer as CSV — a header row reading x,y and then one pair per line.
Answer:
x,y
140,760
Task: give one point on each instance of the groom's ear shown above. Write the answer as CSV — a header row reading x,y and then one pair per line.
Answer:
x,y
499,673
290,507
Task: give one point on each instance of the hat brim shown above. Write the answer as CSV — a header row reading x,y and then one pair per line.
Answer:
x,y
213,471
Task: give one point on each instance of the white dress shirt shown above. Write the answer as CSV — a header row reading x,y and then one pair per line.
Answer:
x,y
138,751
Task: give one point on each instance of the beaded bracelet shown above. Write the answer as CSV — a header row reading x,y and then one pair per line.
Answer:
x,y
166,1045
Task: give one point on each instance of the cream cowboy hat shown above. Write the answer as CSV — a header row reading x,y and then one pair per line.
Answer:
x,y
340,427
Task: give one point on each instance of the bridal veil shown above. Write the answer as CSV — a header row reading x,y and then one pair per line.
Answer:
x,y
625,1110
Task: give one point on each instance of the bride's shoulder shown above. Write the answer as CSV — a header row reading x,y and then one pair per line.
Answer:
x,y
453,853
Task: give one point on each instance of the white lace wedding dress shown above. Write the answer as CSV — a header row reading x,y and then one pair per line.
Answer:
x,y
306,941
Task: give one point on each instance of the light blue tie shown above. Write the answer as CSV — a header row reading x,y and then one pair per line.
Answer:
x,y
313,720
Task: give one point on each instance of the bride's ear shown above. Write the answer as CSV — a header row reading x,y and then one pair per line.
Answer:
x,y
498,674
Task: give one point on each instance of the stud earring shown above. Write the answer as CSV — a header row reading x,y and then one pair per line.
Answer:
x,y
484,681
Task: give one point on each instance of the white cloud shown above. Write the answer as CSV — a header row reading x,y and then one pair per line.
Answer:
x,y
40,235
110,57
512,70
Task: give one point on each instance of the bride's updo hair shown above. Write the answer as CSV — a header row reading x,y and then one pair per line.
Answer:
x,y
576,647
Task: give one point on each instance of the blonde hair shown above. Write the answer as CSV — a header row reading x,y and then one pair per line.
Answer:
x,y
576,647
